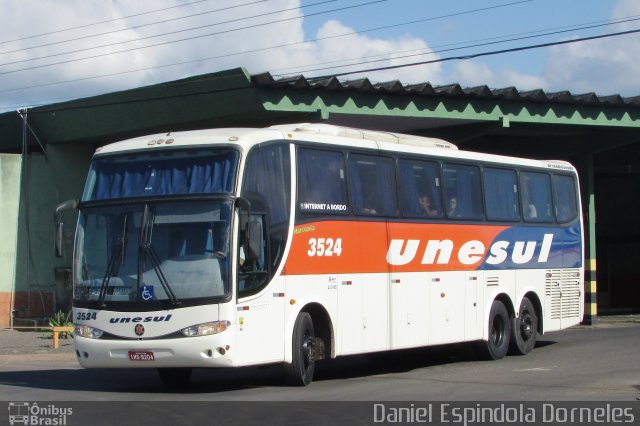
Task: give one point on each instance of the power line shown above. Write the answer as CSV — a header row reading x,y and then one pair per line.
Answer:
x,y
102,22
244,87
128,29
170,33
477,55
277,46
478,43
175,41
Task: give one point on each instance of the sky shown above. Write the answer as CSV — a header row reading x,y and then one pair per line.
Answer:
x,y
56,50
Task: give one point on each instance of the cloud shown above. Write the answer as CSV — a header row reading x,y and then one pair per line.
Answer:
x,y
338,50
474,73
131,45
605,66
279,46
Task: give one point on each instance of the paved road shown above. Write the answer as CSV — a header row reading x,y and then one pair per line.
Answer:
x,y
582,363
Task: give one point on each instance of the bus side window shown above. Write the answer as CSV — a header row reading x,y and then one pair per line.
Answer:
x,y
462,191
373,185
321,181
501,194
565,197
535,190
420,189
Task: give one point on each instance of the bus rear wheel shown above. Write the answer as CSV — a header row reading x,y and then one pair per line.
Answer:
x,y
497,345
175,377
300,371
524,329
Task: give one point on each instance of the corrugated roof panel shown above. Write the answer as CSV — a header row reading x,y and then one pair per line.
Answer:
x,y
537,95
481,91
421,89
450,89
611,100
509,93
362,84
454,90
390,86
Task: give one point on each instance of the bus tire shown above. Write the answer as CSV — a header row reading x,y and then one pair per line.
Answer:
x,y
497,346
300,371
175,377
524,330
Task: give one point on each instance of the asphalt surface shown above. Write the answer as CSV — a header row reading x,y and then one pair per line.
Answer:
x,y
28,341
31,342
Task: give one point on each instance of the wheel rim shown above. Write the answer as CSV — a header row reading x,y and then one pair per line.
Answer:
x,y
307,349
526,325
497,331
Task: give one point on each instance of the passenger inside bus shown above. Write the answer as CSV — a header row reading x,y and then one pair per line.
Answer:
x,y
452,210
426,206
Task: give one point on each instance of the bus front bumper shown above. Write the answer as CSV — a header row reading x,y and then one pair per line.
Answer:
x,y
204,351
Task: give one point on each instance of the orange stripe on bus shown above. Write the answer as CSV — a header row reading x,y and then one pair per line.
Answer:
x,y
342,247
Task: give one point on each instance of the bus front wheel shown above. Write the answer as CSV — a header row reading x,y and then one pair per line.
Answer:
x,y
497,345
300,371
525,329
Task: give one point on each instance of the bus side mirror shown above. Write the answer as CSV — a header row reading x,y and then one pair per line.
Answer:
x,y
59,225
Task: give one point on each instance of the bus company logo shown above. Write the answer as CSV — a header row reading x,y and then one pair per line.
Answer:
x,y
31,414
139,329
403,252
127,320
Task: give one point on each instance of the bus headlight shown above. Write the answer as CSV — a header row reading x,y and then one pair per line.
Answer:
x,y
88,332
206,328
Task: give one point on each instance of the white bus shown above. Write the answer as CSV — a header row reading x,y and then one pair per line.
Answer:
x,y
295,243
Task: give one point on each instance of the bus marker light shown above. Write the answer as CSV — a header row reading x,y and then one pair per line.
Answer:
x,y
292,301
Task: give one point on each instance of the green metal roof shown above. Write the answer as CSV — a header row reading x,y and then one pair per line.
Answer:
x,y
235,98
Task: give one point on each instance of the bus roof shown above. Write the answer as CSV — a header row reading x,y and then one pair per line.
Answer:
x,y
325,134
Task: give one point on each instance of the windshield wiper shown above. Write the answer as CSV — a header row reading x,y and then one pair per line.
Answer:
x,y
146,235
117,258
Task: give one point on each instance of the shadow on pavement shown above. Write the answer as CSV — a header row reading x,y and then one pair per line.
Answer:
x,y
223,380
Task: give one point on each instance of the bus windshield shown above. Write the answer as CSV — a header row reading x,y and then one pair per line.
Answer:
x,y
168,251
165,173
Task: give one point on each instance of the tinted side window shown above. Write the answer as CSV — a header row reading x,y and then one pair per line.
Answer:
x,y
566,198
462,191
420,189
372,183
535,189
321,181
501,194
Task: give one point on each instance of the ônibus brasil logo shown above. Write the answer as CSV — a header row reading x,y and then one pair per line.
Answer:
x,y
27,413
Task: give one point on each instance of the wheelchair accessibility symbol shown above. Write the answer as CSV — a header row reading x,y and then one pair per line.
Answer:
x,y
146,292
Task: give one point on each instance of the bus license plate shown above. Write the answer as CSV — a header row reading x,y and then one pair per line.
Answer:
x,y
141,356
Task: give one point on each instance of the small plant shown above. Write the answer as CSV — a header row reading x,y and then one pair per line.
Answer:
x,y
60,320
